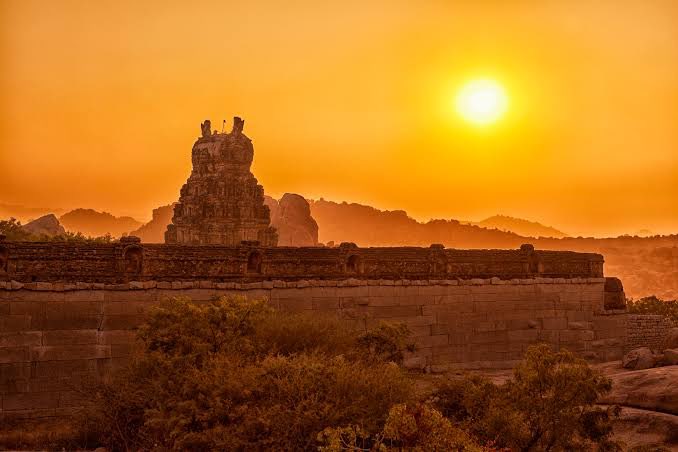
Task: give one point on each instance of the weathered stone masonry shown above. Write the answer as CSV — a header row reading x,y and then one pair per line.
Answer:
x,y
69,312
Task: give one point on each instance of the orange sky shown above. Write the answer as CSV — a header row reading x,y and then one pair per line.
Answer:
x,y
100,102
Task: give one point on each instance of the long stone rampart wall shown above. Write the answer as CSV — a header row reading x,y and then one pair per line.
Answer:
x,y
129,260
53,335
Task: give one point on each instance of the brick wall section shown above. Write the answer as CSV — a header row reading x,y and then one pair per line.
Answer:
x,y
646,330
52,335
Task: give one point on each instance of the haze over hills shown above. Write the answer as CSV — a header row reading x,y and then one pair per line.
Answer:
x,y
93,223
519,226
26,214
646,265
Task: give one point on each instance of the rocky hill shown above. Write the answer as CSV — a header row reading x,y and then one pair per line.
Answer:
x,y
291,216
93,223
154,230
522,227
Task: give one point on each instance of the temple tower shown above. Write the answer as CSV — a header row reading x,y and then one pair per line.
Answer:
x,y
221,202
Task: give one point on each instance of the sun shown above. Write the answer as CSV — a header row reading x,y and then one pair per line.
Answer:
x,y
482,102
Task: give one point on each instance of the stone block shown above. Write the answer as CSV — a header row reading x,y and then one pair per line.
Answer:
x,y
382,301
579,325
116,337
554,323
20,338
73,399
127,307
523,336
423,330
13,323
381,291
489,337
430,341
296,304
69,352
326,304
575,336
30,401
67,368
384,312
69,337
121,322
9,355
12,371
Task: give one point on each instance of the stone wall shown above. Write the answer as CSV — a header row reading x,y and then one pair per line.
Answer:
x,y
54,335
129,260
646,330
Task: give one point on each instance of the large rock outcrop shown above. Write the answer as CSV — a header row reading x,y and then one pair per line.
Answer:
x,y
291,216
154,230
221,202
46,225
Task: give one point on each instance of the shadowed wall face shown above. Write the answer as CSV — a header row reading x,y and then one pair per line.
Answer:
x,y
52,336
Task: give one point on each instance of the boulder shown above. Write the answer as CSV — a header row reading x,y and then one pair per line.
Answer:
x,y
46,225
650,389
639,358
291,216
671,357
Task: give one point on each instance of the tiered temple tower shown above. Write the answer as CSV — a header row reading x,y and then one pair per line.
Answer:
x,y
221,202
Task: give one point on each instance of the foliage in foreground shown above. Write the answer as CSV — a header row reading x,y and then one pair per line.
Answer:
x,y
548,405
654,305
417,427
232,374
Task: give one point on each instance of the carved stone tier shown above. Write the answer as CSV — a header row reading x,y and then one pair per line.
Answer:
x,y
221,202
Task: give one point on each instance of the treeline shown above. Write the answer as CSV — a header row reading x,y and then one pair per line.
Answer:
x,y
14,231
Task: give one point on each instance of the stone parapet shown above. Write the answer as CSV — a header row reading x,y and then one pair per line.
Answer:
x,y
129,260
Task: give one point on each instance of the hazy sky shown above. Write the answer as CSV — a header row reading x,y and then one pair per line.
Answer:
x,y
101,101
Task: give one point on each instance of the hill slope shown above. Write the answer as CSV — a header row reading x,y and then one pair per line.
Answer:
x,y
93,223
519,226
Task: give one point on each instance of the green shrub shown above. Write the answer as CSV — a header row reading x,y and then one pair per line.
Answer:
x,y
234,374
548,405
416,427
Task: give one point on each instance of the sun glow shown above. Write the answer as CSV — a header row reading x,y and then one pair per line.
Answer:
x,y
482,102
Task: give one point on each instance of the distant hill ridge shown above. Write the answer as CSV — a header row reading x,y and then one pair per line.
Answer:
x,y
520,226
93,223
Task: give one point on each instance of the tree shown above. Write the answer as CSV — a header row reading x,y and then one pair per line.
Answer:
x,y
548,405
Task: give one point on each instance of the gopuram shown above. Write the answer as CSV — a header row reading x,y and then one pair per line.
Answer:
x,y
221,203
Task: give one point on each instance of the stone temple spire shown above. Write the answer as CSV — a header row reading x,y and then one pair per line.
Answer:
x,y
221,202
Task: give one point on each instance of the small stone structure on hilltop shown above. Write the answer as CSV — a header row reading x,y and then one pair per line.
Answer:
x,y
221,202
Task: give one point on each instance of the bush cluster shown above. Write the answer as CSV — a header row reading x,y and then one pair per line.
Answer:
x,y
233,374
549,404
